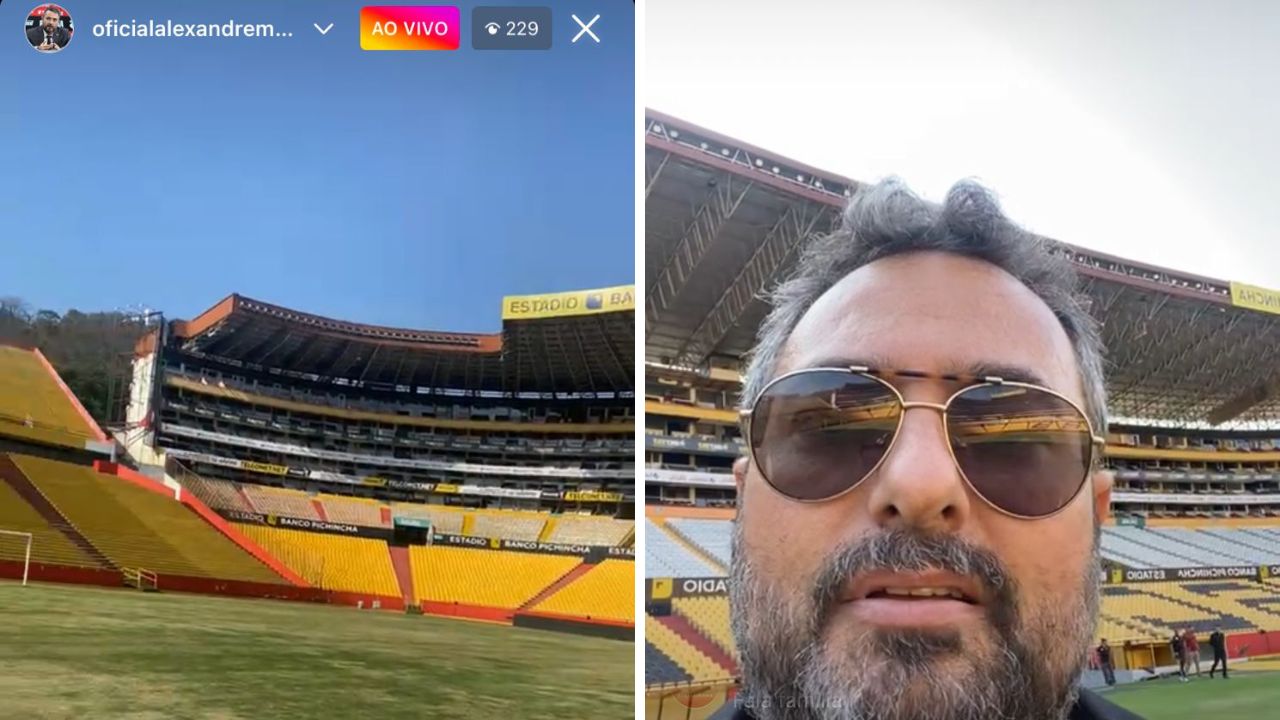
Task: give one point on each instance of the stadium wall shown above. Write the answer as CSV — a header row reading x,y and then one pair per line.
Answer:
x,y
1253,644
59,453
62,574
485,613
542,620
578,626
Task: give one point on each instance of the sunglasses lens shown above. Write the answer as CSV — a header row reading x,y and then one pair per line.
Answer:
x,y
816,434
1025,450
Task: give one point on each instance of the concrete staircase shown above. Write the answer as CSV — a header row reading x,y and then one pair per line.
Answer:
x,y
687,632
12,475
694,548
404,572
577,572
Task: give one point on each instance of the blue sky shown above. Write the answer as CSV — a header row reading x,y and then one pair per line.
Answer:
x,y
411,189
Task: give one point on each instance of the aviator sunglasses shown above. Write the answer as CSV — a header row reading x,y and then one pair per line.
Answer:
x,y
815,434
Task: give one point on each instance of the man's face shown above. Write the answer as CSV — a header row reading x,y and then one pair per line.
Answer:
x,y
812,649
50,20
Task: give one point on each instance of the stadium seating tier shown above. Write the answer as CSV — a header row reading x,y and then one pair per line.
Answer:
x,y
332,562
606,592
138,528
492,578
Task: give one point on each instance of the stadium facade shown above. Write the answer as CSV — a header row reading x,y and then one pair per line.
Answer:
x,y
539,416
1194,441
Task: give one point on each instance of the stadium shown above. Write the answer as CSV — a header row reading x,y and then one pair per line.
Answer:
x,y
1194,442
377,486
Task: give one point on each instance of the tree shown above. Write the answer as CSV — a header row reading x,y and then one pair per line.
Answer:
x,y
92,351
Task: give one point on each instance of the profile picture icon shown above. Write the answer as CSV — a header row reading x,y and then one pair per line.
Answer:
x,y
49,28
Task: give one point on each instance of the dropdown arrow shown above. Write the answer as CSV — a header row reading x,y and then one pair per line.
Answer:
x,y
323,30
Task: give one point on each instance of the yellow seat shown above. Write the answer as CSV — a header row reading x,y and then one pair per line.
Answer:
x,y
332,562
710,615
48,544
353,510
33,406
137,528
587,530
606,591
689,658
508,525
493,578
281,501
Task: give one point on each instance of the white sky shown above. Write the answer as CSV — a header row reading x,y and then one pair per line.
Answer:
x,y
1144,129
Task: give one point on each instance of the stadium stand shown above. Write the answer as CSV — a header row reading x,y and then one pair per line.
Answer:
x,y
32,405
692,663
660,668
218,493
442,519
140,529
605,591
483,421
290,423
711,536
333,562
490,578
588,530
509,526
279,501
355,511
710,615
667,558
48,543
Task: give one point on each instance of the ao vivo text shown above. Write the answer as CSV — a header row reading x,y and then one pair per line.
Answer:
x,y
412,28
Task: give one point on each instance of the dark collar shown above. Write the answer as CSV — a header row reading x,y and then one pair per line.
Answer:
x,y
1089,706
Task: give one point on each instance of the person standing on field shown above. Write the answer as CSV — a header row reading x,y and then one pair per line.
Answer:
x,y
1179,653
1193,650
1218,642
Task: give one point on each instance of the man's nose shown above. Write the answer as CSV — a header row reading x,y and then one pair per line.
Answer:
x,y
918,484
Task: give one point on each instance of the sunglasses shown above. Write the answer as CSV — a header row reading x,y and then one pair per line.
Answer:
x,y
816,434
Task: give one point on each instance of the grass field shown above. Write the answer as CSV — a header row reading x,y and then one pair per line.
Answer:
x,y
78,652
1248,695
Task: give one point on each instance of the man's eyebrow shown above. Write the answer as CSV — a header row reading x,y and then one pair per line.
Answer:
x,y
842,361
1005,371
981,369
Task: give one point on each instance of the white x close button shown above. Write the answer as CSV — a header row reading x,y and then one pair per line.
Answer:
x,y
586,28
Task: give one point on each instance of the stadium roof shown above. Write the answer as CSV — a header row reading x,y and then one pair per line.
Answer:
x,y
723,220
577,342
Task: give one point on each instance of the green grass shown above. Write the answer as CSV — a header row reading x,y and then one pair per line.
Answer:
x,y
1246,696
78,652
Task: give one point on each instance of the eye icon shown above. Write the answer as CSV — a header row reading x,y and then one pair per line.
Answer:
x,y
492,28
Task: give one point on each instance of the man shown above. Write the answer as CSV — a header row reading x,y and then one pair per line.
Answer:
x,y
1179,654
49,35
1218,642
1192,646
918,517
1104,660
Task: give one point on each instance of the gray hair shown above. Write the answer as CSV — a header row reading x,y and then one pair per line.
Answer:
x,y
887,219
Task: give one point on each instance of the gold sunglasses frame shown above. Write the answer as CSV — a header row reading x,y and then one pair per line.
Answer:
x,y
974,381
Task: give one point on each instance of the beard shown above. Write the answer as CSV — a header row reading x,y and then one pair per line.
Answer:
x,y
797,665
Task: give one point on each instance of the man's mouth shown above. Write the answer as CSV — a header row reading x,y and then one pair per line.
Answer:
x,y
913,599
912,593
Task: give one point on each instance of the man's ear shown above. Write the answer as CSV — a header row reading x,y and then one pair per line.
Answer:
x,y
1103,480
740,472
